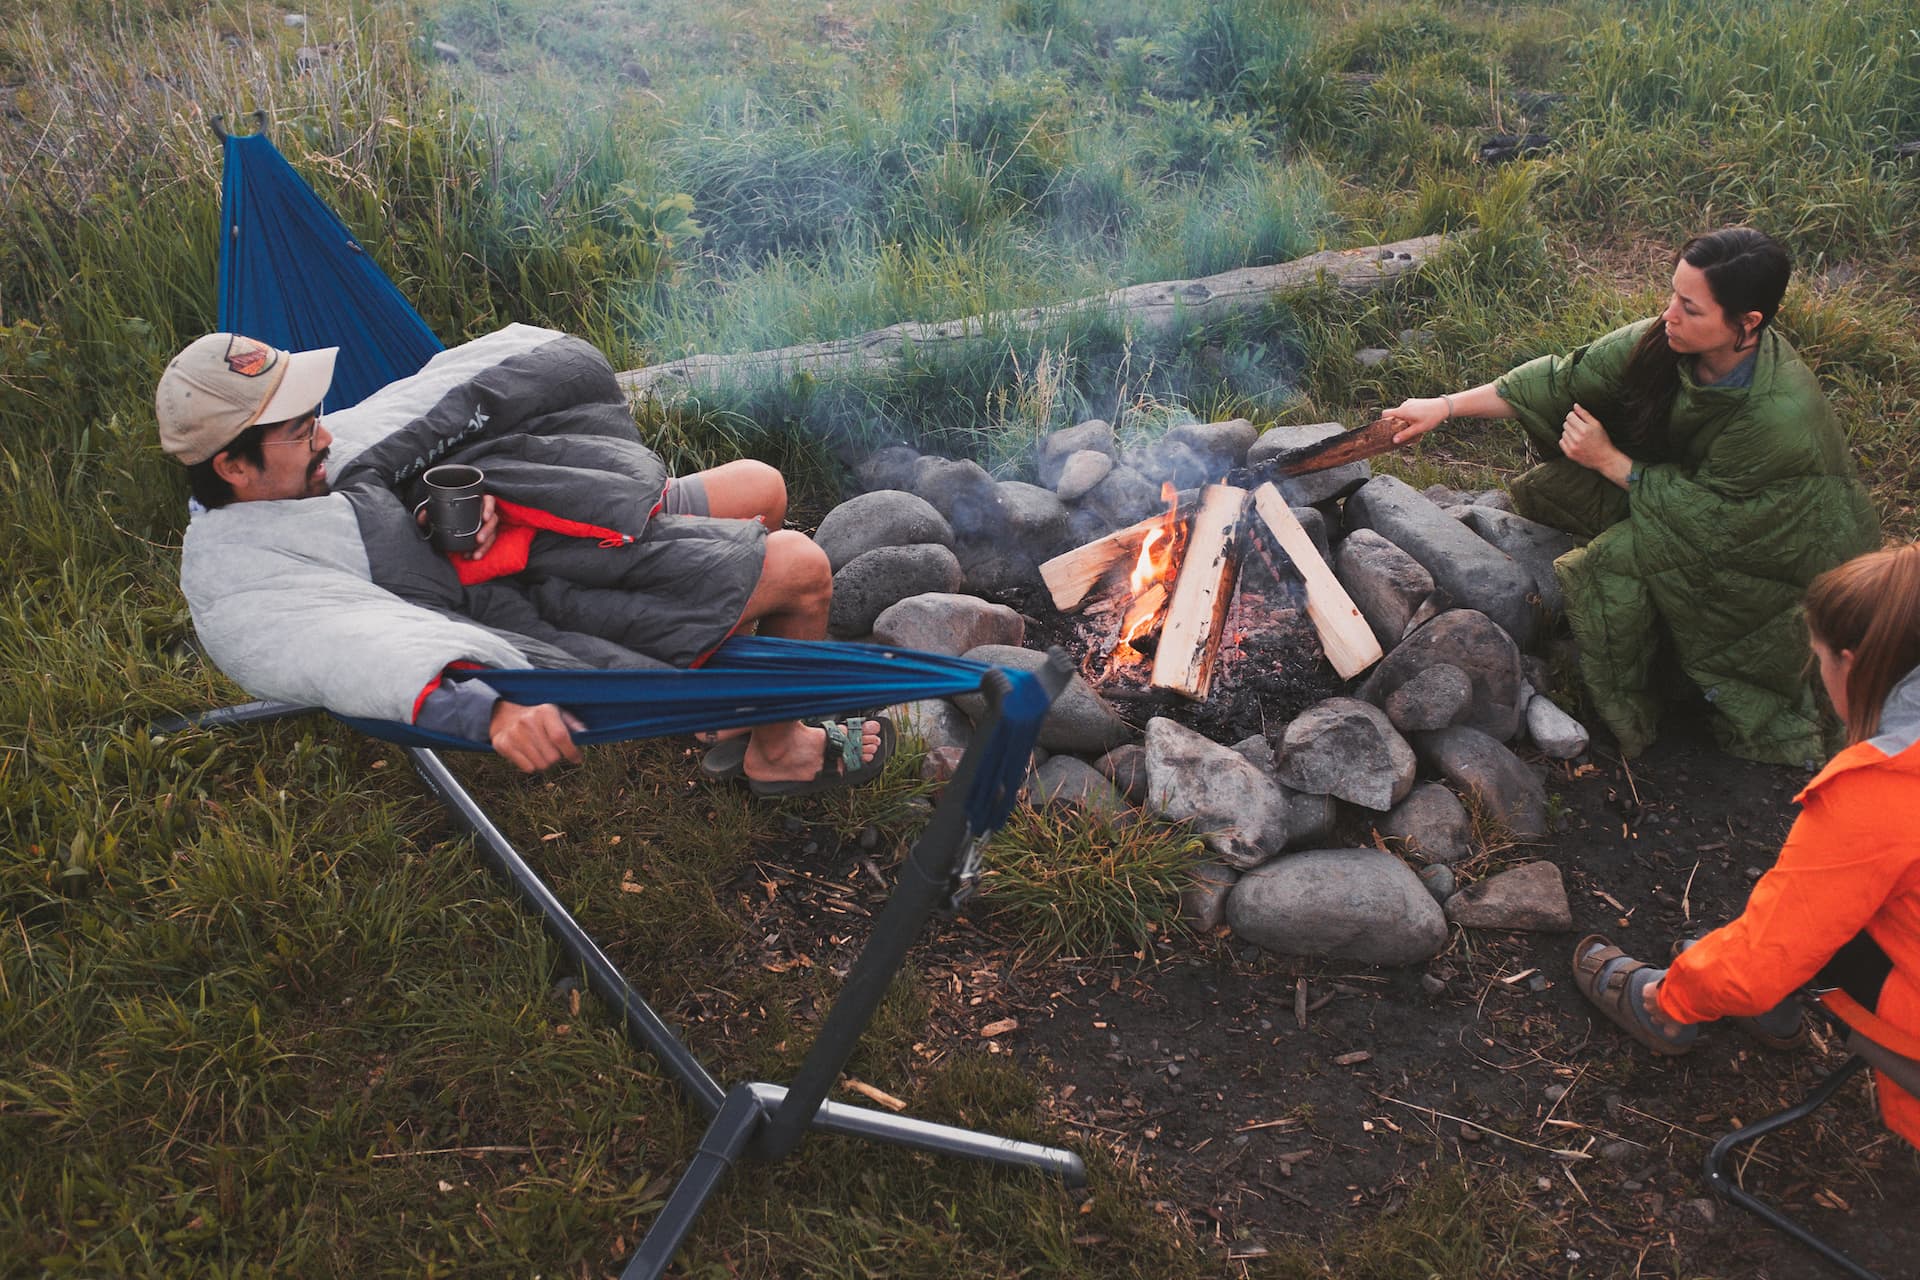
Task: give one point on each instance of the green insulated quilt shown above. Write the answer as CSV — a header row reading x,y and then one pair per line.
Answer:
x,y
1710,553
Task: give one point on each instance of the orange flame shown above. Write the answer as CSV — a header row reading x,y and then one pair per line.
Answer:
x,y
1155,564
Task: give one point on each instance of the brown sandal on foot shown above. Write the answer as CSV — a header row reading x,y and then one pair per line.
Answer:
x,y
1604,974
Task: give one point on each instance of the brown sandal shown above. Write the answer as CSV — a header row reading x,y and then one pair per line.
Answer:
x,y
1604,974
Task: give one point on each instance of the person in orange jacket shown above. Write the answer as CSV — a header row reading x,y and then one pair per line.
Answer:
x,y
1841,906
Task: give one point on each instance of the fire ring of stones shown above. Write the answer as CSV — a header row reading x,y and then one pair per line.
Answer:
x,y
1424,605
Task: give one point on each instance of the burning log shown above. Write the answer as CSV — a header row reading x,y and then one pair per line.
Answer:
x,y
1344,634
1072,575
1190,639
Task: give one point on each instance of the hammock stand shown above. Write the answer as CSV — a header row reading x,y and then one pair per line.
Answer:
x,y
762,1119
292,274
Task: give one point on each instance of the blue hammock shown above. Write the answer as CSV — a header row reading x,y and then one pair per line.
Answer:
x,y
292,274
753,680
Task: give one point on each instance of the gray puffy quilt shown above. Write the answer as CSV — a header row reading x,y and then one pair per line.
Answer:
x,y
338,601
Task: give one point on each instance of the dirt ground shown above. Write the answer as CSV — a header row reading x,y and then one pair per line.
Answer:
x,y
1272,1098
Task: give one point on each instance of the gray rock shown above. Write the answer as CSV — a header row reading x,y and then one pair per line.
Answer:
x,y
1081,472
1203,903
1347,904
868,584
1498,781
1529,896
1372,357
1055,448
1554,731
1430,699
1387,585
1084,524
935,721
1536,546
884,518
1238,811
1469,641
1124,497
963,492
1430,824
1536,671
1073,783
1417,338
1309,819
1257,751
888,468
1035,518
941,622
1473,572
1079,722
1227,442
1495,499
1346,748
1318,486
1126,768
1439,881
997,568
1174,460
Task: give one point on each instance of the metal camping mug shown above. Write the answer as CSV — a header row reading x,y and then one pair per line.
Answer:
x,y
455,505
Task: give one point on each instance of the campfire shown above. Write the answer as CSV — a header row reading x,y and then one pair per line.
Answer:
x,y
1162,590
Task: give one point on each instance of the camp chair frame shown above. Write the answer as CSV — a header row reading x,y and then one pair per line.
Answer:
x,y
1844,1015
759,1118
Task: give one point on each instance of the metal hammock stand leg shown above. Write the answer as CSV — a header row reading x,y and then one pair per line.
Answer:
x,y
758,1118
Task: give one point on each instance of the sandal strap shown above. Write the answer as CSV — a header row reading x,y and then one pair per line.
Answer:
x,y
843,744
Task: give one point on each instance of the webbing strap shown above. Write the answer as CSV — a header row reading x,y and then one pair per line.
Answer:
x,y
1868,1023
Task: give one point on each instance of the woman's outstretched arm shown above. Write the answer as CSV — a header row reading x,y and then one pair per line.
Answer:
x,y
1422,416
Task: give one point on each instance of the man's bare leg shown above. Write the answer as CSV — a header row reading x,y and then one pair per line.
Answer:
x,y
791,601
745,490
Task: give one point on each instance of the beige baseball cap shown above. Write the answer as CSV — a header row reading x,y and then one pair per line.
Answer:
x,y
224,383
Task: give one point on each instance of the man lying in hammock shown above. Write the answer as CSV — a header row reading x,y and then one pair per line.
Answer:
x,y
310,582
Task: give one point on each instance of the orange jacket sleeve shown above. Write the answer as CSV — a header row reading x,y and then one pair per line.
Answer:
x,y
1841,863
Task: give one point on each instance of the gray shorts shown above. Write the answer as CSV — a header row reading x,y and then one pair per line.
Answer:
x,y
685,496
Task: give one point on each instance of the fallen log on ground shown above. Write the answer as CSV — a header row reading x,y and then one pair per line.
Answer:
x,y
1150,308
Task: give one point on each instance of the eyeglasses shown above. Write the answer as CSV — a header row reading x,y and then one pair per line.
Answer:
x,y
304,431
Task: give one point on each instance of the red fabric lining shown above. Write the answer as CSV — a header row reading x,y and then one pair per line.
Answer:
x,y
514,541
421,701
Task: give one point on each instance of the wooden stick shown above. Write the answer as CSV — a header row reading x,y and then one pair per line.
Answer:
x,y
1071,575
1344,635
1190,640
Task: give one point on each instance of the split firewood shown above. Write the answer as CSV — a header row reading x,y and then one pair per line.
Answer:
x,y
1190,639
1344,634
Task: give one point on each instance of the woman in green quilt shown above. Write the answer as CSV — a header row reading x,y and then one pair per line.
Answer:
x,y
1696,454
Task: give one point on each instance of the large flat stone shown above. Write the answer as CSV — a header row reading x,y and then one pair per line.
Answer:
x,y
1473,572
1346,904
1530,896
1236,809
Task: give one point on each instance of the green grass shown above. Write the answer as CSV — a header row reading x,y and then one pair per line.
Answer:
x,y
259,1005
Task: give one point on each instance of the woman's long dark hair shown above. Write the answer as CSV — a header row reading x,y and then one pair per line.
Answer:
x,y
1747,270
